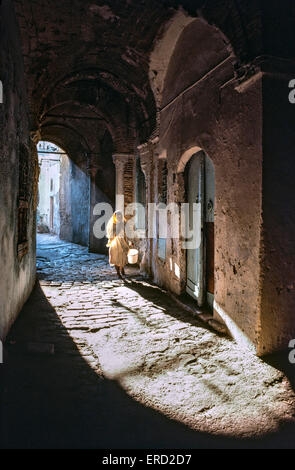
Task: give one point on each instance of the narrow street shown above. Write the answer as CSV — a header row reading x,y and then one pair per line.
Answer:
x,y
97,362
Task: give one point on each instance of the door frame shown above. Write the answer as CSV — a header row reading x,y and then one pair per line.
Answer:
x,y
208,298
196,282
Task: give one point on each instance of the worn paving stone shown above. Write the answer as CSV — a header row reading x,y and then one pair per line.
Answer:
x,y
132,333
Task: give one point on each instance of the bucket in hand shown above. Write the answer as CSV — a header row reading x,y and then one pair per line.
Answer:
x,y
132,256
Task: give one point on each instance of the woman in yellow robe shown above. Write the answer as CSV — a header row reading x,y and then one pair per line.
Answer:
x,y
117,243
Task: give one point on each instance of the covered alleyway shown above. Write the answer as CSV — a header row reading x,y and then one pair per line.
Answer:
x,y
94,361
178,113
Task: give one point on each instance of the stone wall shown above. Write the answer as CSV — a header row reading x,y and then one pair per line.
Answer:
x,y
74,202
18,177
203,107
243,122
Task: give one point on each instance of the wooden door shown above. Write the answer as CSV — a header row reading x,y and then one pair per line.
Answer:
x,y
200,260
195,256
209,229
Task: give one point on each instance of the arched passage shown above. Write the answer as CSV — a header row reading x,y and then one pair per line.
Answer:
x,y
86,87
64,191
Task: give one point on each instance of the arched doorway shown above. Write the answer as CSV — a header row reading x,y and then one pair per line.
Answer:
x,y
63,194
200,192
48,211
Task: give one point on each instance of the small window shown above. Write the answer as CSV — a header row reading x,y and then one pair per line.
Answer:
x,y
162,248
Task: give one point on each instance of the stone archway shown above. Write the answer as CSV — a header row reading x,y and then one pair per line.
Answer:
x,y
186,156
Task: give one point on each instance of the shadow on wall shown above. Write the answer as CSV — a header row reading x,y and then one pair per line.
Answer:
x,y
74,202
59,401
103,189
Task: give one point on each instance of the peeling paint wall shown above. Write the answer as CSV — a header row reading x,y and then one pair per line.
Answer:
x,y
17,275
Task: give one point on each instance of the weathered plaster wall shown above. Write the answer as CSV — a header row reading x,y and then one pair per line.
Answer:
x,y
65,199
49,185
74,202
79,188
227,124
161,54
17,277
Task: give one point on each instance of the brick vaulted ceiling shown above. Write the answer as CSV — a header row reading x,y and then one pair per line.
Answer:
x,y
90,59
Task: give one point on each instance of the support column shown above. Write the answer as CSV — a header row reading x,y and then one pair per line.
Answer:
x,y
146,152
123,196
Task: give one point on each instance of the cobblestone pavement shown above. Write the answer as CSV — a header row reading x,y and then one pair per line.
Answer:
x,y
94,361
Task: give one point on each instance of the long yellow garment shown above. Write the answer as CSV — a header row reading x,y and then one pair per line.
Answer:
x,y
118,246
